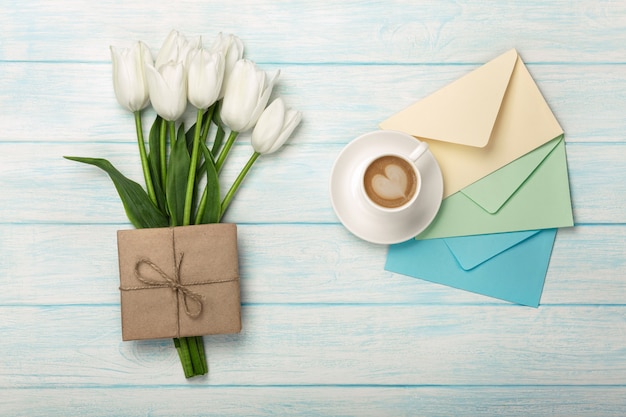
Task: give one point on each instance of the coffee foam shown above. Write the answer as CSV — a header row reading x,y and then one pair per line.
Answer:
x,y
390,181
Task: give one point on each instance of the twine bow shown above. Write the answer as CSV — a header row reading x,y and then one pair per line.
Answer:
x,y
173,283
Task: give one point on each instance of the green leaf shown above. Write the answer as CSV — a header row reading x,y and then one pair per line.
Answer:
x,y
212,205
141,212
189,138
154,163
219,134
219,139
216,115
176,182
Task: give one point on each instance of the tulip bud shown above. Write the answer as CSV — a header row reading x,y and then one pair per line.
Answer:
x,y
231,48
129,75
274,127
176,48
204,78
247,94
168,89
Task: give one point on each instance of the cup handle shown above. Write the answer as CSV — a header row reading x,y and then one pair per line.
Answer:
x,y
419,151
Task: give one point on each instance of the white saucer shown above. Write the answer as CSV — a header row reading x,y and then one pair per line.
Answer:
x,y
384,228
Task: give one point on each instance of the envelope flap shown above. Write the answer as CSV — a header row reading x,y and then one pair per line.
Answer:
x,y
471,251
463,112
493,191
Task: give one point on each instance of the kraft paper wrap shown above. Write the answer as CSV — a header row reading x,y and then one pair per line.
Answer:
x,y
179,281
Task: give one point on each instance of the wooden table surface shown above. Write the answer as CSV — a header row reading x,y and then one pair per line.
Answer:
x,y
326,331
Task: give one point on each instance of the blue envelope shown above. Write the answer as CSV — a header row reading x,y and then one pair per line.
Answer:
x,y
508,266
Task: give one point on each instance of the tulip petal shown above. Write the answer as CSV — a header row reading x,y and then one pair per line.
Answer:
x,y
129,81
262,101
269,126
231,48
293,119
204,78
168,90
169,49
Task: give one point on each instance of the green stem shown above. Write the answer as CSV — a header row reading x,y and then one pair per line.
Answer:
x,y
193,347
201,207
172,126
200,342
183,353
205,133
207,124
218,166
224,153
219,134
163,151
191,177
144,157
198,368
233,188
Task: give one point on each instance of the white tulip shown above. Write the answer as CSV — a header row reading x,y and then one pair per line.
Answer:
x,y
204,78
176,48
247,94
274,127
231,48
129,75
168,89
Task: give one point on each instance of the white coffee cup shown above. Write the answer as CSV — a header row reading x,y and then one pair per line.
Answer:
x,y
390,182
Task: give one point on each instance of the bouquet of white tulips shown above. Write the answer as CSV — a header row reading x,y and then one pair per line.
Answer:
x,y
180,170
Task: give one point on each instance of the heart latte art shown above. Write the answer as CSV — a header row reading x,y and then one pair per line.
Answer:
x,y
392,185
390,181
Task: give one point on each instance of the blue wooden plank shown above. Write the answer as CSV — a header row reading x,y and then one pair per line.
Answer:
x,y
50,264
325,31
326,344
522,401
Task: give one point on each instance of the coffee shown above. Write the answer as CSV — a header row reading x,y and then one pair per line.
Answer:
x,y
390,181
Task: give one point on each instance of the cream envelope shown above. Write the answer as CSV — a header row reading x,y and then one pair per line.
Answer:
x,y
480,122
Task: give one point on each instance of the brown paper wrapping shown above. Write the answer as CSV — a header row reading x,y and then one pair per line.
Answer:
x,y
179,281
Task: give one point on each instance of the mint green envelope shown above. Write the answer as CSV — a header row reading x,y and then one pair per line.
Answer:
x,y
509,266
529,193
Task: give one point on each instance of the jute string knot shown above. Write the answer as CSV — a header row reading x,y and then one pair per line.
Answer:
x,y
174,283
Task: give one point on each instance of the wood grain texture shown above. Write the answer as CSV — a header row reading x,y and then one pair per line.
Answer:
x,y
322,401
293,264
329,345
326,330
312,32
